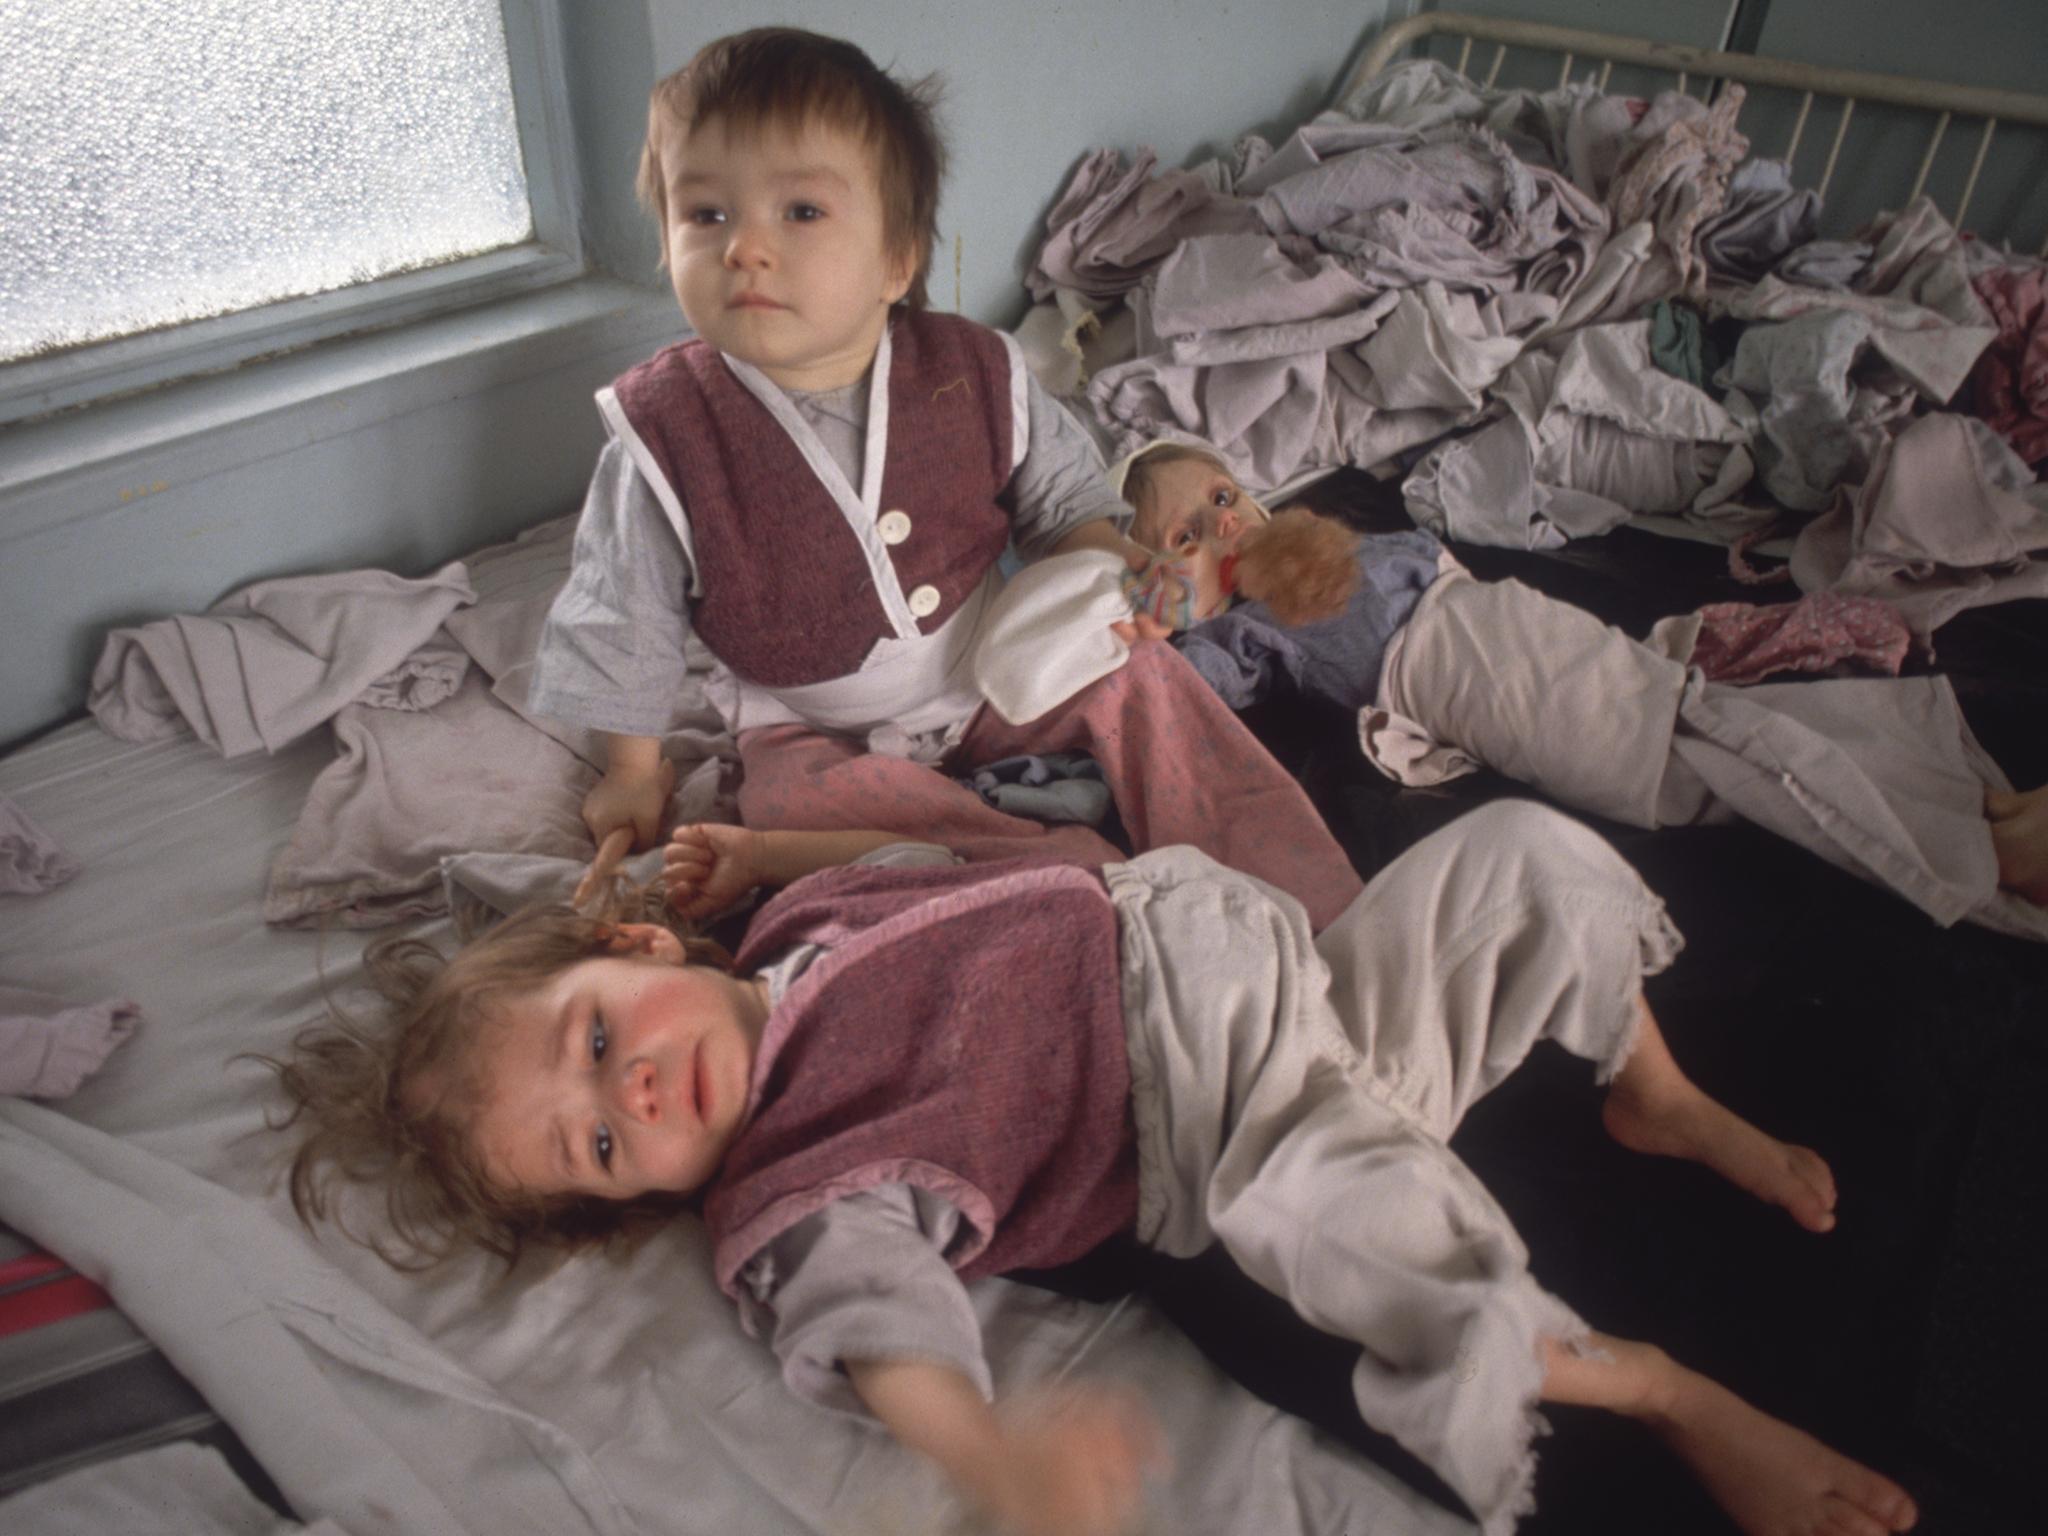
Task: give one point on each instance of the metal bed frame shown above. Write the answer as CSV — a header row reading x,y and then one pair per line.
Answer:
x,y
1849,86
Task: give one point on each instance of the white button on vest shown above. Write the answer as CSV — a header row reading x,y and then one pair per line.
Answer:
x,y
894,527
924,601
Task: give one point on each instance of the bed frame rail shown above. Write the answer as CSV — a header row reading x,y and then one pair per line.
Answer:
x,y
1808,81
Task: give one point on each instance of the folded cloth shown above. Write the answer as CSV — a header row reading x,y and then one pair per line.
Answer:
x,y
1047,633
1054,786
48,1047
29,860
268,663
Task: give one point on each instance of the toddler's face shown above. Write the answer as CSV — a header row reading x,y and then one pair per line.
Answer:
x,y
625,1075
778,250
1195,513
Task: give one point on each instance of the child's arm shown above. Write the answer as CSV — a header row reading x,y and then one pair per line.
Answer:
x,y
1069,1464
711,864
634,790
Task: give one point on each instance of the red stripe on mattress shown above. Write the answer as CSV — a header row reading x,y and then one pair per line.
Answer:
x,y
34,1265
37,1305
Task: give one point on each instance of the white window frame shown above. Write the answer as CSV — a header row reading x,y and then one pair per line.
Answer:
x,y
39,386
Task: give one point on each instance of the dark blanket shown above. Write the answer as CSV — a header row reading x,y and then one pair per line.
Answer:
x,y
1831,1013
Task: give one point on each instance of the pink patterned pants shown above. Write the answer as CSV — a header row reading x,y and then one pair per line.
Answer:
x,y
1181,767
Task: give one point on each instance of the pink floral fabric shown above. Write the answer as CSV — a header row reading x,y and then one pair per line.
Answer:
x,y
1746,642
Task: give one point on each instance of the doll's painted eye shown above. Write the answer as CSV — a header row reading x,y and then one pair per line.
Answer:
x,y
1223,498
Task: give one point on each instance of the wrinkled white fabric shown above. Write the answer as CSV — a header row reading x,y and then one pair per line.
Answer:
x,y
272,661
1934,529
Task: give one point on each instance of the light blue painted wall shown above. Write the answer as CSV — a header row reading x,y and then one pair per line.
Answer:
x,y
157,506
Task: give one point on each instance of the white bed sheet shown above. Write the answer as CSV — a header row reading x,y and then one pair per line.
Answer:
x,y
600,1394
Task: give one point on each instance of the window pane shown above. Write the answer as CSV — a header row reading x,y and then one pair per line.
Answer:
x,y
167,160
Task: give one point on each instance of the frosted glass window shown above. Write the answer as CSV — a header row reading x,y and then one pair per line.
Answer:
x,y
168,160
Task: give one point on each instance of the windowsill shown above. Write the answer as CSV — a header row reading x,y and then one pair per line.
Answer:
x,y
185,430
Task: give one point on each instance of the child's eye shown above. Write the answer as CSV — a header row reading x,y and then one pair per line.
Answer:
x,y
601,1145
704,216
805,213
600,1038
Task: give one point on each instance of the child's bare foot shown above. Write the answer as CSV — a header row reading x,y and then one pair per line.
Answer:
x,y
1772,1479
2019,836
1654,1107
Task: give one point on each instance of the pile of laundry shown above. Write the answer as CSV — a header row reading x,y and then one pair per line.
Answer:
x,y
1554,311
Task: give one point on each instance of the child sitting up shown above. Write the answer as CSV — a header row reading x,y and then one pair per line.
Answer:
x,y
1880,776
921,1072
817,489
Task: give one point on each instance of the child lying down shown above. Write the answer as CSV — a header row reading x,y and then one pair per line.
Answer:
x,y
1881,776
920,1072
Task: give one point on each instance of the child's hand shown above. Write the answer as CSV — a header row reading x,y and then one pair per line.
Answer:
x,y
709,866
630,797
1140,626
1073,1463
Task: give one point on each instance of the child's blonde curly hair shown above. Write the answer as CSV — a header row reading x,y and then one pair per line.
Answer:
x,y
391,1100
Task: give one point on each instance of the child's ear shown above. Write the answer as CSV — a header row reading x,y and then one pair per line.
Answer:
x,y
902,268
649,939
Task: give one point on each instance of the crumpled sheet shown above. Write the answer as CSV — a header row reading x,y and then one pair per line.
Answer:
x,y
179,1489
1939,526
1113,224
1816,428
1914,290
477,772
1584,439
274,660
30,860
1764,218
49,1047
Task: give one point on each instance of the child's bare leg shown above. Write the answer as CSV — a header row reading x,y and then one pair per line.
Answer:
x,y
2019,835
1770,1479
1652,1106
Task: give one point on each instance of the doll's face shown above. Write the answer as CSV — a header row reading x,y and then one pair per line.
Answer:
x,y
625,1075
1195,513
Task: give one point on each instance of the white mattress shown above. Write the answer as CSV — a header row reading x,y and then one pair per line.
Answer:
x,y
602,1394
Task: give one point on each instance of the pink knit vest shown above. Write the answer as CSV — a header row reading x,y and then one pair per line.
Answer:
x,y
788,596
963,1032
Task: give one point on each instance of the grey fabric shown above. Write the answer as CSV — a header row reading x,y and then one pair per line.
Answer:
x,y
1817,429
29,860
866,1278
272,661
1059,787
180,1489
1935,528
1764,219
618,653
49,1047
1588,432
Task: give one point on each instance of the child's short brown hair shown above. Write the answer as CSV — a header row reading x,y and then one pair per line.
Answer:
x,y
785,77
391,1101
